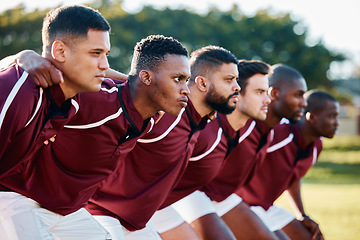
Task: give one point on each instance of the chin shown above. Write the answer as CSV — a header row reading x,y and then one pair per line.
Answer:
x,y
174,111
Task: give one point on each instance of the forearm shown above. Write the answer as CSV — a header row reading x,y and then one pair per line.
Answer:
x,y
111,73
296,199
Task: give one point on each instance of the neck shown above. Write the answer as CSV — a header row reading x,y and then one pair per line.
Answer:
x,y
237,119
67,90
66,86
307,132
141,102
198,101
271,119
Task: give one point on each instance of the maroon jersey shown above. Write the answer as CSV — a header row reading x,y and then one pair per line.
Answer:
x,y
29,116
240,163
141,183
288,159
212,146
65,174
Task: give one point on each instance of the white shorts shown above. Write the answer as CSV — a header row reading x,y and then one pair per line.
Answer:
x,y
225,206
22,218
194,206
275,218
118,232
166,219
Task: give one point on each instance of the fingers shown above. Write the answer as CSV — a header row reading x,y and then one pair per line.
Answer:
x,y
56,75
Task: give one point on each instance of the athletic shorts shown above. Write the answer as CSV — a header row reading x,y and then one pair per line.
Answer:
x,y
275,218
166,219
225,206
118,232
22,218
194,206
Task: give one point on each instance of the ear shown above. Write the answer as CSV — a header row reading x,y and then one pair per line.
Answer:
x,y
274,93
202,83
58,51
310,117
145,77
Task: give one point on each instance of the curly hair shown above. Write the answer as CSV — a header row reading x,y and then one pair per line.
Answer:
x,y
151,51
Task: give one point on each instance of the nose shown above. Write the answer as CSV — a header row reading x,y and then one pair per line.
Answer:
x,y
236,87
185,90
267,99
104,63
303,102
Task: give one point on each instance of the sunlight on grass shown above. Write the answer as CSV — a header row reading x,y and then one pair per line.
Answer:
x,y
331,189
335,207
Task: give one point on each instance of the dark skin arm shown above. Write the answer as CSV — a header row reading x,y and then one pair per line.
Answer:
x,y
295,194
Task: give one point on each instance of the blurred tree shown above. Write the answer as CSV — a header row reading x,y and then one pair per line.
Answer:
x,y
273,39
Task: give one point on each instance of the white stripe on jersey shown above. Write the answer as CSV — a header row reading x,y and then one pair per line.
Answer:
x,y
37,106
96,124
12,95
75,104
177,120
281,144
314,156
248,131
152,122
218,138
111,90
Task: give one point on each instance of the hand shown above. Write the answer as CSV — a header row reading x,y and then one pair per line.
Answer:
x,y
313,227
41,70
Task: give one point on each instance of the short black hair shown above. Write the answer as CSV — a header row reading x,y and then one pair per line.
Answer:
x,y
72,22
151,51
283,74
316,100
208,59
247,69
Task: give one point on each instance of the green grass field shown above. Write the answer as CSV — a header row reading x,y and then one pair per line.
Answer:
x,y
331,189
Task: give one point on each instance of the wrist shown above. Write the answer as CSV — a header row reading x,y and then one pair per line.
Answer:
x,y
304,215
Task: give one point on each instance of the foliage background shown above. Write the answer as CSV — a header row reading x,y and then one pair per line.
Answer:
x,y
273,39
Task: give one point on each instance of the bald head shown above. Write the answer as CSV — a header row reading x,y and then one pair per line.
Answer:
x,y
317,100
283,76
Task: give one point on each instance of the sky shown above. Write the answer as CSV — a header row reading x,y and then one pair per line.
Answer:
x,y
332,22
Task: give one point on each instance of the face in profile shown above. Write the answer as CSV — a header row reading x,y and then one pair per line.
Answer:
x,y
170,84
224,90
326,122
86,61
254,100
291,102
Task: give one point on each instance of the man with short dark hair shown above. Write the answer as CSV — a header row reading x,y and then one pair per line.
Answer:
x,y
76,40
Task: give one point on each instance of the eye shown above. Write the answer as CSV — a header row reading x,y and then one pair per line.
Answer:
x,y
177,79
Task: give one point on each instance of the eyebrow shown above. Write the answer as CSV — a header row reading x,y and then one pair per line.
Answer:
x,y
230,75
100,50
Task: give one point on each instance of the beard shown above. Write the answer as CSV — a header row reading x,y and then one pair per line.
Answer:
x,y
220,103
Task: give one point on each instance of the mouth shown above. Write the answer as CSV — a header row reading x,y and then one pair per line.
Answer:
x,y
234,98
101,77
183,102
300,113
264,109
